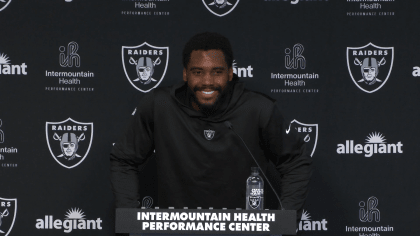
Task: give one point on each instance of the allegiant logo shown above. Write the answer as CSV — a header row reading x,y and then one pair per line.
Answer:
x,y
375,144
75,219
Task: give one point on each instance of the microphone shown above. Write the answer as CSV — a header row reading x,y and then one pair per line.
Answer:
x,y
230,126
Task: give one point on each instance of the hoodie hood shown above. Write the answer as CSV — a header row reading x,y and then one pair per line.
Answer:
x,y
183,95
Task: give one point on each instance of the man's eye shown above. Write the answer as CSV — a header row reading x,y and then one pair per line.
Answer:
x,y
196,72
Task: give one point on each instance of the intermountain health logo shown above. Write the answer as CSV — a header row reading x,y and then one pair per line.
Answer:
x,y
375,144
297,79
308,132
8,208
6,68
69,141
370,66
307,224
220,7
145,7
74,220
69,56
371,8
145,65
73,78
4,4
6,152
369,213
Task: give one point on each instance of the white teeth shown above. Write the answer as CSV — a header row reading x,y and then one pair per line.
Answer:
x,y
208,92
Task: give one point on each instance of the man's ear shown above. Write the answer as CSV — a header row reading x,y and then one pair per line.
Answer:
x,y
230,72
184,75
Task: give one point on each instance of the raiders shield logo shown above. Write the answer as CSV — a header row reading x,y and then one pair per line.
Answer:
x,y
69,141
254,202
308,132
370,66
209,134
4,3
220,7
8,209
145,65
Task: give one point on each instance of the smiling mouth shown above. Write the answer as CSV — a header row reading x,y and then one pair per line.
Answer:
x,y
211,92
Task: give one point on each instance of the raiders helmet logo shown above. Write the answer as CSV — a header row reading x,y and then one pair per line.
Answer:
x,y
69,141
254,202
209,134
220,7
370,66
145,65
8,209
308,132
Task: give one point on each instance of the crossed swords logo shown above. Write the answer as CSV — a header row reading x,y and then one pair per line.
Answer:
x,y
5,213
382,62
80,138
155,63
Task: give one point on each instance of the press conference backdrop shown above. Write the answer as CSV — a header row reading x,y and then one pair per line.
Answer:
x,y
344,72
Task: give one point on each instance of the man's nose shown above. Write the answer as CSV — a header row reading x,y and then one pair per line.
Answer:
x,y
208,79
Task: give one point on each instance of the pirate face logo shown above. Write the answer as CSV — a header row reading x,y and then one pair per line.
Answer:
x,y
370,66
8,209
69,144
4,4
308,132
143,65
209,134
145,69
69,141
220,7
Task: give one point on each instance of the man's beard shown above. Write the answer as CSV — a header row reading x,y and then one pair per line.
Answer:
x,y
209,109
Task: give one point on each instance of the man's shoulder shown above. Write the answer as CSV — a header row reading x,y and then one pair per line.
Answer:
x,y
258,99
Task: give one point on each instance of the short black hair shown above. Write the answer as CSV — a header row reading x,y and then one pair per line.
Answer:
x,y
208,41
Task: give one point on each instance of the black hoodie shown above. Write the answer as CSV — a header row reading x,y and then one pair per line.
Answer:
x,y
196,172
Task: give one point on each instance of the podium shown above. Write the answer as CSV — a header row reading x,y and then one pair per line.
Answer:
x,y
138,221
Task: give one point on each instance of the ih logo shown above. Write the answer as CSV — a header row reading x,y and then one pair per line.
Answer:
x,y
69,56
220,7
209,134
370,66
145,65
308,132
1,133
4,3
8,209
69,141
294,58
368,211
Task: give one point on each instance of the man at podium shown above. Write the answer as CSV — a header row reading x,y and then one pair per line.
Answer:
x,y
200,161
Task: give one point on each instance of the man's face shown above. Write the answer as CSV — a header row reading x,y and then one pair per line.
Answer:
x,y
69,148
144,72
369,73
207,75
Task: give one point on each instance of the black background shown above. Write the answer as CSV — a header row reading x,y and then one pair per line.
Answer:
x,y
260,31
